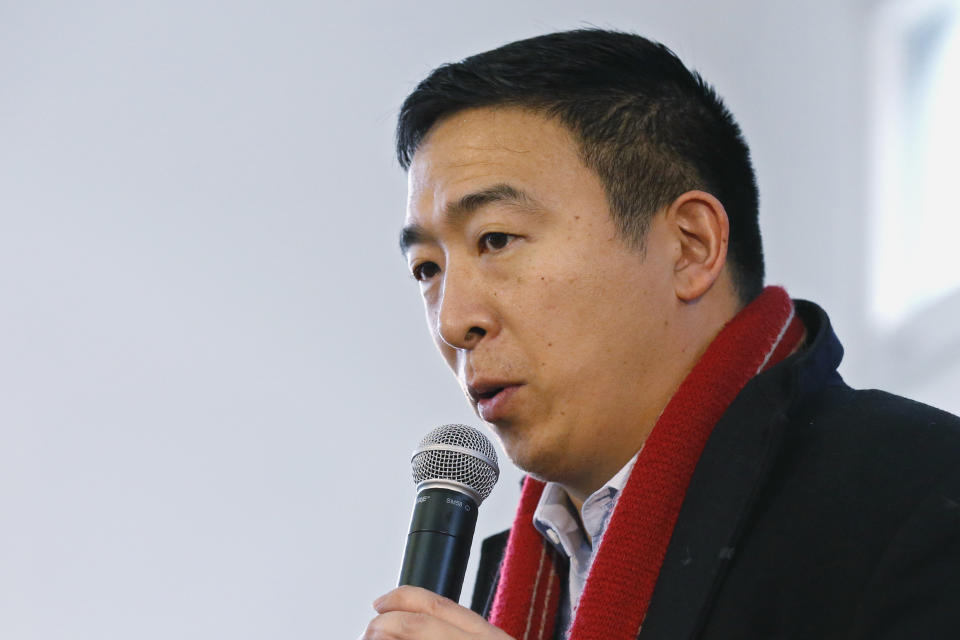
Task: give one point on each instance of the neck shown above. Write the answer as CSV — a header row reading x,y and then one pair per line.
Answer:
x,y
694,327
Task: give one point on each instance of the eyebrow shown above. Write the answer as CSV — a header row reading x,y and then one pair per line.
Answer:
x,y
413,234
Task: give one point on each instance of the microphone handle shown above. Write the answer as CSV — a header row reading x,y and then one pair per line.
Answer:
x,y
438,545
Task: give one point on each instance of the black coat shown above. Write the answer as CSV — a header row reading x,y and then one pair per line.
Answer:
x,y
815,511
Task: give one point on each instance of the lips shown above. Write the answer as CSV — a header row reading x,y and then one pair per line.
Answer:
x,y
485,390
492,398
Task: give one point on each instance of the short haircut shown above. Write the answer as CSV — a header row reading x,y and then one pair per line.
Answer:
x,y
650,128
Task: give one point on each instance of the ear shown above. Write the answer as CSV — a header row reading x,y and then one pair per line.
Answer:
x,y
702,231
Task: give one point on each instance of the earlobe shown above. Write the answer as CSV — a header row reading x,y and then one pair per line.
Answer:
x,y
702,232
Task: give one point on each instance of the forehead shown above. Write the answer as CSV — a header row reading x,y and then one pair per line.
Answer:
x,y
476,148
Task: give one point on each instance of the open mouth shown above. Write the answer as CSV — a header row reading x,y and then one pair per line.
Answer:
x,y
485,391
486,395
494,401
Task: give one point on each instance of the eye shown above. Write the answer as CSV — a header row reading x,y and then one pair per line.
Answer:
x,y
425,271
494,241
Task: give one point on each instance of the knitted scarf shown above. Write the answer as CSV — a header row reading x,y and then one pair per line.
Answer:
x,y
625,569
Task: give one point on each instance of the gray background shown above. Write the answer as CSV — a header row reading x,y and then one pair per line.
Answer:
x,y
212,361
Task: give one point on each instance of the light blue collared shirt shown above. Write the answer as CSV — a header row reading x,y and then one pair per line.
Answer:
x,y
556,519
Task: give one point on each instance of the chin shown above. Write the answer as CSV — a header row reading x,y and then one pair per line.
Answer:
x,y
543,463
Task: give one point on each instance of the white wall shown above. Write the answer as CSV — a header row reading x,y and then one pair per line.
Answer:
x,y
212,362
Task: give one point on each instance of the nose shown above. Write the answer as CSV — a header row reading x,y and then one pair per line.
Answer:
x,y
464,315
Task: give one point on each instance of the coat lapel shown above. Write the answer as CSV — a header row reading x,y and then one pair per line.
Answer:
x,y
729,475
736,463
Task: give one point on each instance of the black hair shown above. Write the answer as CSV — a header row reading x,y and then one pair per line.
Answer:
x,y
650,128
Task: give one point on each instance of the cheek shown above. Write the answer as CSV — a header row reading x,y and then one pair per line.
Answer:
x,y
589,323
449,353
567,302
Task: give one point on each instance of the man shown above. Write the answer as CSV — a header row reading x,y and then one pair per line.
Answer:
x,y
582,221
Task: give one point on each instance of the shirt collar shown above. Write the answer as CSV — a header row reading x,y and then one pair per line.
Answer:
x,y
556,519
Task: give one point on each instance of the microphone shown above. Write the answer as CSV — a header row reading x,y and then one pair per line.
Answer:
x,y
454,468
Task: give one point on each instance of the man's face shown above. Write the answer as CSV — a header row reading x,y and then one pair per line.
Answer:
x,y
553,325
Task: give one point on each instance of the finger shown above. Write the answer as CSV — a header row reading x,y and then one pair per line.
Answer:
x,y
405,625
421,601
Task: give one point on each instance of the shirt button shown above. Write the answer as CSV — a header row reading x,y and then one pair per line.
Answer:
x,y
554,538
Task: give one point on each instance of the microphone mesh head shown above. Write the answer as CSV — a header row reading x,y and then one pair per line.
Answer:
x,y
459,454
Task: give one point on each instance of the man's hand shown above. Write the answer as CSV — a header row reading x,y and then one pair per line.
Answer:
x,y
412,613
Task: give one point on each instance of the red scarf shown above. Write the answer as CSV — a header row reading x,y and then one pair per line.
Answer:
x,y
623,574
